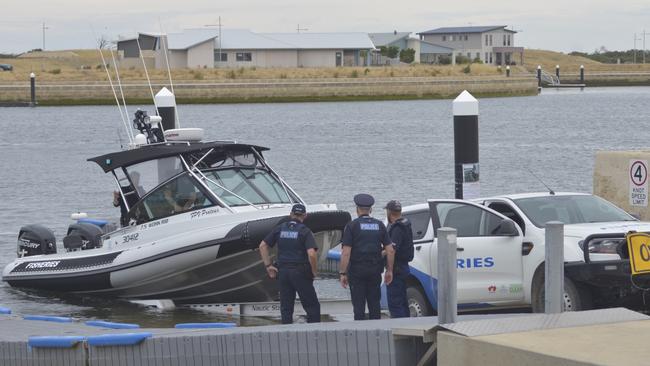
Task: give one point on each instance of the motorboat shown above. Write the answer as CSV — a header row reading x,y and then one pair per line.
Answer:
x,y
197,211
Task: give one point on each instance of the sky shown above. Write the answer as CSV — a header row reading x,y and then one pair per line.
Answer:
x,y
560,25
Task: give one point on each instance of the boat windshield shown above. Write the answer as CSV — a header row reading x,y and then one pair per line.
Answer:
x,y
150,174
239,186
576,209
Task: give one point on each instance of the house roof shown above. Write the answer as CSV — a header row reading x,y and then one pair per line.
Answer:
x,y
473,29
134,36
190,37
428,47
385,39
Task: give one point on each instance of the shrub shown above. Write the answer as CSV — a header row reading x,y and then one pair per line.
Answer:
x,y
460,59
444,60
231,74
241,71
354,74
467,69
392,73
477,60
407,55
198,75
55,71
283,76
335,75
366,71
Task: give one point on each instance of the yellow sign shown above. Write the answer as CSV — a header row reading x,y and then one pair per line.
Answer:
x,y
638,245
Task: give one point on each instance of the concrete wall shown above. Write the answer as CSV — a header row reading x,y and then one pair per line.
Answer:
x,y
177,59
318,58
415,44
201,55
612,179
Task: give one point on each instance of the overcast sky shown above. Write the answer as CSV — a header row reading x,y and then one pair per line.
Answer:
x,y
562,25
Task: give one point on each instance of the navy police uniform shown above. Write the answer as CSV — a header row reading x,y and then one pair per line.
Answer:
x,y
401,235
366,236
293,239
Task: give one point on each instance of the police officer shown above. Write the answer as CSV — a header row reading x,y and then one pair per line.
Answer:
x,y
361,259
399,231
297,265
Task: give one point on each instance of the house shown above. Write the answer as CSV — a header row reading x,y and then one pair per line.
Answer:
x,y
425,52
129,49
490,44
211,48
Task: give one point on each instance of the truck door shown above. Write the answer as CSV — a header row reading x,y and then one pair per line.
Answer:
x,y
489,262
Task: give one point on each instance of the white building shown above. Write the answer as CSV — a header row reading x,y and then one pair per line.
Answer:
x,y
203,48
490,44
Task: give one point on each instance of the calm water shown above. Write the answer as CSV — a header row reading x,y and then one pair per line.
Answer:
x,y
326,151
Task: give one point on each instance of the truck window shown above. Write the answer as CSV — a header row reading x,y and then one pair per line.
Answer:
x,y
507,211
468,220
419,223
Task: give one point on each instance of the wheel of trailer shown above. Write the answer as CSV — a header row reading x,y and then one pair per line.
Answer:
x,y
576,298
418,304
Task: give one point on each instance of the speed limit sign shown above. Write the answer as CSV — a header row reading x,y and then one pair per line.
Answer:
x,y
638,176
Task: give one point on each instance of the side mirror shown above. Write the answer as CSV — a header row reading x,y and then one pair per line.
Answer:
x,y
506,228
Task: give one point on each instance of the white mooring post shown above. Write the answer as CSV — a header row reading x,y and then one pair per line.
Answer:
x,y
447,300
554,268
166,103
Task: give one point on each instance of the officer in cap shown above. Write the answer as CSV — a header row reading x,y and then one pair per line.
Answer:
x,y
361,259
399,231
297,264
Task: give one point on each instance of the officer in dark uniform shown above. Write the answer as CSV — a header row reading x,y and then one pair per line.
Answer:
x,y
399,231
297,264
361,259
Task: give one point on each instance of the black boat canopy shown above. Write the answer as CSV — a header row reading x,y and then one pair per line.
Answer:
x,y
126,158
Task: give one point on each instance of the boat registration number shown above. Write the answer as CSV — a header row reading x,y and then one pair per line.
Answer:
x,y
130,237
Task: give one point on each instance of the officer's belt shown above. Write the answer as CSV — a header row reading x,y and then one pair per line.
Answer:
x,y
292,265
366,261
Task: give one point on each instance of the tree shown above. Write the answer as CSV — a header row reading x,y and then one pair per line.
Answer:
x,y
102,42
390,52
407,55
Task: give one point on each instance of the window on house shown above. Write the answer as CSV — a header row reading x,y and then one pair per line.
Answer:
x,y
486,40
508,40
466,37
444,38
478,55
244,56
490,40
469,55
486,57
490,57
504,39
220,57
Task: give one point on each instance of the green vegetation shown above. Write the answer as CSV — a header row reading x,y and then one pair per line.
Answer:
x,y
612,57
390,52
407,55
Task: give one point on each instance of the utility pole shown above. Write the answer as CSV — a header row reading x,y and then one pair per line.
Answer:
x,y
217,25
644,34
44,28
298,29
634,56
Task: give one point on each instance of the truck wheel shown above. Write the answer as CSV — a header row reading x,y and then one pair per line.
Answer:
x,y
575,298
418,304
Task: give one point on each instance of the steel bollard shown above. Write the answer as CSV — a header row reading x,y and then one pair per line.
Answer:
x,y
447,291
554,268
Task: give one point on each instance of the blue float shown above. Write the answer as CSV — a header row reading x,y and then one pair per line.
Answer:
x,y
5,310
334,254
125,339
54,341
47,318
111,325
98,222
205,325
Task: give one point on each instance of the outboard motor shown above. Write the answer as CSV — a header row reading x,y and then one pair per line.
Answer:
x,y
83,236
35,240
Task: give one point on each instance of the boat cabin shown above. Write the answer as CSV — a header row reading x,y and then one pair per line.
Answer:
x,y
160,180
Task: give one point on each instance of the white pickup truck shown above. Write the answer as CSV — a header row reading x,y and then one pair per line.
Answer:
x,y
501,251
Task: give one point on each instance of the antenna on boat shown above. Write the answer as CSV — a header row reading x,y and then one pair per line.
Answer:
x,y
144,65
550,191
119,83
164,42
110,81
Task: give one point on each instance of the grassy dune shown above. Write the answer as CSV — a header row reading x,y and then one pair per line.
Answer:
x,y
571,64
68,66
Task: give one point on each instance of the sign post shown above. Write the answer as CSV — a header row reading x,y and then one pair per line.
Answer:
x,y
638,174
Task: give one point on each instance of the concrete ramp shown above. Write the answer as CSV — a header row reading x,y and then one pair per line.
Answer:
x,y
598,337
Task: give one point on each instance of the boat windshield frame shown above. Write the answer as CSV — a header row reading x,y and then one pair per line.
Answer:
x,y
196,164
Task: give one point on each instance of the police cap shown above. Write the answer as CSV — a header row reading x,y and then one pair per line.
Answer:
x,y
364,200
298,209
394,205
